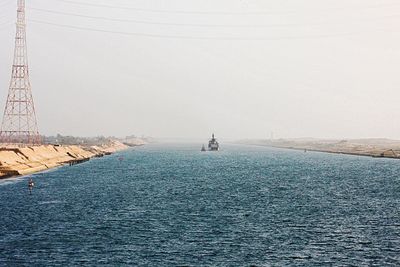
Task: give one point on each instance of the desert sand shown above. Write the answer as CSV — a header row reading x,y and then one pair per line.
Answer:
x,y
373,147
16,161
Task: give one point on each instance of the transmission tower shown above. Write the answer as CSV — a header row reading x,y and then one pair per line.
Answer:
x,y
19,121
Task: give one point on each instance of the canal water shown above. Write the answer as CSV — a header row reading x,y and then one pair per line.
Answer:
x,y
172,205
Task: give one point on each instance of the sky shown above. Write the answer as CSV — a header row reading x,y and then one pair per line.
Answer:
x,y
186,69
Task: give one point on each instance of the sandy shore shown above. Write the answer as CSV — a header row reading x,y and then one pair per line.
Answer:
x,y
384,148
27,160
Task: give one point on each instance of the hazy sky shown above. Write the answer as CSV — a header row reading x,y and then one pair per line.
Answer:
x,y
242,69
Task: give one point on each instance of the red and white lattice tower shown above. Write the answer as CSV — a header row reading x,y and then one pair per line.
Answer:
x,y
19,121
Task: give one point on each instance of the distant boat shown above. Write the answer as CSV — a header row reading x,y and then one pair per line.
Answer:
x,y
213,144
203,149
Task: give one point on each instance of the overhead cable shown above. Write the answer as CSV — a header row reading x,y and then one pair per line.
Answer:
x,y
226,38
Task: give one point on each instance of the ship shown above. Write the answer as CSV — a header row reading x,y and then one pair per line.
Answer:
x,y
203,148
213,144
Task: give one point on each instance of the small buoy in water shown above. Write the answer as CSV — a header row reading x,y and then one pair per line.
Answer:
x,y
121,158
31,184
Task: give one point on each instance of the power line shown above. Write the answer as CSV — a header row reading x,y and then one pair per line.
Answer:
x,y
166,11
162,23
210,12
201,25
195,37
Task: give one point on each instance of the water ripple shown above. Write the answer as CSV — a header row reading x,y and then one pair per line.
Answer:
x,y
174,206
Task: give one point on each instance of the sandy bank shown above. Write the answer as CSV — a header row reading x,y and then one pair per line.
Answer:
x,y
384,148
26,160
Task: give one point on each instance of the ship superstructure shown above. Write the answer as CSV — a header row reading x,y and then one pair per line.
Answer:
x,y
213,144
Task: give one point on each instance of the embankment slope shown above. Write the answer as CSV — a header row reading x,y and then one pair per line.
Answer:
x,y
26,160
373,147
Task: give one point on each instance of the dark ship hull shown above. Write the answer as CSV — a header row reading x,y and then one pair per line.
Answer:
x,y
213,144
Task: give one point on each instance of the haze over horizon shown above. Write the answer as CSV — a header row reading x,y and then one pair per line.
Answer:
x,y
241,69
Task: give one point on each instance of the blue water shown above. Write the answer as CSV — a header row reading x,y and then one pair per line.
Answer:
x,y
171,205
